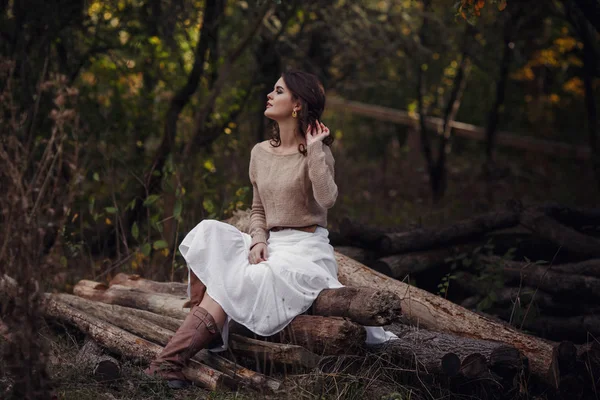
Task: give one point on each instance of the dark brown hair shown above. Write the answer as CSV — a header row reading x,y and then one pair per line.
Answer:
x,y
307,89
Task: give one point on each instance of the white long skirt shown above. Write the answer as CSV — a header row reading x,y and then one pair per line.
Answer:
x,y
264,297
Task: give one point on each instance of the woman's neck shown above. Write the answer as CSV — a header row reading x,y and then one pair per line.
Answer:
x,y
287,134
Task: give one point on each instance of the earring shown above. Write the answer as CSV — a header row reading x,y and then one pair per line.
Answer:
x,y
294,114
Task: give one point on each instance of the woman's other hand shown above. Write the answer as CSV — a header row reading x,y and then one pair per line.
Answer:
x,y
258,253
320,133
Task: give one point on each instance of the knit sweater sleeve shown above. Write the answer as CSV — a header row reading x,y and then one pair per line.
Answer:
x,y
258,221
321,173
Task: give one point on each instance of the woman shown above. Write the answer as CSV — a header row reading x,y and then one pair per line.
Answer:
x,y
267,277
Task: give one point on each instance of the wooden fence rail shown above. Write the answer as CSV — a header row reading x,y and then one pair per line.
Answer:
x,y
460,129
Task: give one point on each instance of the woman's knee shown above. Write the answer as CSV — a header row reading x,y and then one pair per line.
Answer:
x,y
215,309
197,290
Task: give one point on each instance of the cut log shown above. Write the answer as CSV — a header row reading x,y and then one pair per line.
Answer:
x,y
146,285
545,278
324,336
321,335
401,265
575,217
133,321
128,345
123,317
93,361
158,303
577,327
287,354
569,239
362,305
423,239
365,306
474,366
588,268
359,254
429,348
361,235
432,312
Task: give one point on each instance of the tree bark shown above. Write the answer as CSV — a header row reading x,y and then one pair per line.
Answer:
x,y
547,279
417,343
322,335
149,286
432,312
401,265
164,304
362,305
365,306
356,253
287,354
361,235
92,360
493,116
421,239
569,239
577,328
128,345
135,321
575,217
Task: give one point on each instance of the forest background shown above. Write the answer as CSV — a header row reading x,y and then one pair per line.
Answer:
x,y
127,122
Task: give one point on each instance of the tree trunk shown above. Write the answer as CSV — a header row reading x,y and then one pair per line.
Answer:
x,y
421,239
432,312
92,360
547,279
362,305
319,334
164,304
493,116
416,343
135,322
365,306
356,253
287,354
128,345
361,235
401,265
149,286
575,217
568,239
577,328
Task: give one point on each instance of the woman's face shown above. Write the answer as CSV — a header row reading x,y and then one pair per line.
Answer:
x,y
280,103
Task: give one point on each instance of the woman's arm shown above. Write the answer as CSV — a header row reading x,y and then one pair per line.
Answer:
x,y
321,173
258,221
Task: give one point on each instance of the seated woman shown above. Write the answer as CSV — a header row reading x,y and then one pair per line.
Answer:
x,y
265,278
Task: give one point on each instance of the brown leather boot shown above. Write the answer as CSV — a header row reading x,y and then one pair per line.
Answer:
x,y
196,332
197,291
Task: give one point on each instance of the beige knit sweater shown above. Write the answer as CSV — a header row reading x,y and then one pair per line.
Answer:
x,y
290,189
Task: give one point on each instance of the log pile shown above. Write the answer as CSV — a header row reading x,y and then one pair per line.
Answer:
x,y
128,318
537,268
134,317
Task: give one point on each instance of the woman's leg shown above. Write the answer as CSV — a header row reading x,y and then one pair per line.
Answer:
x,y
214,309
201,326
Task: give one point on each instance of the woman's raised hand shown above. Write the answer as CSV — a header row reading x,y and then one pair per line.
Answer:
x,y
258,253
313,135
